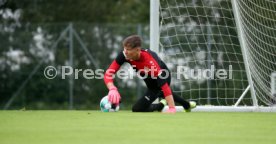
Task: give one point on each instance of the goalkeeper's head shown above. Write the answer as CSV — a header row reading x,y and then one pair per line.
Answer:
x,y
132,47
132,41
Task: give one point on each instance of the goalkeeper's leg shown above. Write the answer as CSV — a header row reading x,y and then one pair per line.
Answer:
x,y
144,104
187,105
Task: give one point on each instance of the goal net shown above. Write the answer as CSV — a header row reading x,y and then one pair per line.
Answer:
x,y
217,49
258,31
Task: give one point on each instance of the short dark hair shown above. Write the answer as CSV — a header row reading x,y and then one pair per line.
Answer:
x,y
132,41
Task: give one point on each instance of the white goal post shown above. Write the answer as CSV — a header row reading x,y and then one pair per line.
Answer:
x,y
221,52
273,84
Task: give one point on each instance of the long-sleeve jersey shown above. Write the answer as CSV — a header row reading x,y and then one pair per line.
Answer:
x,y
150,67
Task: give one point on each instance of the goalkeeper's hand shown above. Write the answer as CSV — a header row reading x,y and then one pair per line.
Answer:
x,y
171,110
113,95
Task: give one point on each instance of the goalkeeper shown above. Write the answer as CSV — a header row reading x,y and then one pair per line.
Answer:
x,y
155,74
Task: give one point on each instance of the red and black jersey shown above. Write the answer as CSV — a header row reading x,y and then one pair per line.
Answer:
x,y
150,67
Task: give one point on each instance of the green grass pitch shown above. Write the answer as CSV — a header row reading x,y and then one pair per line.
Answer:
x,y
125,127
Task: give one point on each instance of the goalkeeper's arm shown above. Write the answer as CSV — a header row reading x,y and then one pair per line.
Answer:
x,y
113,94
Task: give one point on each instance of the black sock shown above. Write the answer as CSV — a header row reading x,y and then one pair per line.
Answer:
x,y
181,101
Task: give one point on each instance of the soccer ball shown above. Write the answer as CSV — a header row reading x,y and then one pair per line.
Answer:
x,y
106,106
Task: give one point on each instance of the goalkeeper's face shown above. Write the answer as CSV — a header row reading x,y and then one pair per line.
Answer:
x,y
132,53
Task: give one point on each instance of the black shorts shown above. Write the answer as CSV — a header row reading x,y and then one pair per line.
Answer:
x,y
144,104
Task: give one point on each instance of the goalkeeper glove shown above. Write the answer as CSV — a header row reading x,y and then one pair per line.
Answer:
x,y
171,110
113,95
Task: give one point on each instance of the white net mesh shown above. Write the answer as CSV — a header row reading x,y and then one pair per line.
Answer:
x,y
200,35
